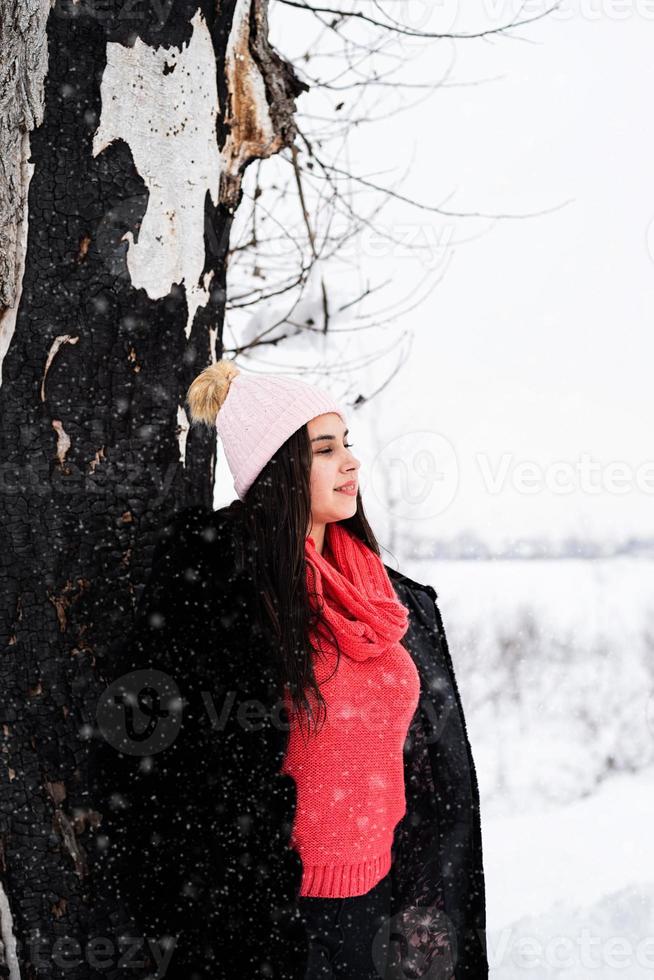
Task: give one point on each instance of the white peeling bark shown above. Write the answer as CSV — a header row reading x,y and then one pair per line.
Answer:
x,y
23,67
164,103
65,338
182,431
8,959
13,250
63,440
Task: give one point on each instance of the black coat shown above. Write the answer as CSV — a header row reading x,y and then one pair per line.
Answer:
x,y
197,818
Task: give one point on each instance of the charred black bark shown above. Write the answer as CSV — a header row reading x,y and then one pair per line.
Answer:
x,y
90,464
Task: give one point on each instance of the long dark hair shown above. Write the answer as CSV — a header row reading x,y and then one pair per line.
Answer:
x,y
276,514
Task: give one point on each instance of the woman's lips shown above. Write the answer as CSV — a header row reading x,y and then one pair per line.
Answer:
x,y
351,491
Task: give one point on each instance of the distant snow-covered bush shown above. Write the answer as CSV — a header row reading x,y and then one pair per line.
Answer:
x,y
555,664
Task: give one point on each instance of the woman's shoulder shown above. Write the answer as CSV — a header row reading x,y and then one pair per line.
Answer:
x,y
421,595
404,582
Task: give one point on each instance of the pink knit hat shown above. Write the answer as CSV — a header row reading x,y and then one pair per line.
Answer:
x,y
254,414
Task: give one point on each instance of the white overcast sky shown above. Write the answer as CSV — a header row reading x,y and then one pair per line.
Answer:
x,y
537,344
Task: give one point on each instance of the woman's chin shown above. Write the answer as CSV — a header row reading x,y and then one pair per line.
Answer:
x,y
347,506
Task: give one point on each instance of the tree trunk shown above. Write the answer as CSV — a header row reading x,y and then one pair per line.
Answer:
x,y
127,128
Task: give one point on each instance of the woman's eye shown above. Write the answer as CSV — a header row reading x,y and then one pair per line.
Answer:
x,y
347,445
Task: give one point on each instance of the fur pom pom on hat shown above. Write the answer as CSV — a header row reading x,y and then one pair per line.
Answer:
x,y
208,391
254,414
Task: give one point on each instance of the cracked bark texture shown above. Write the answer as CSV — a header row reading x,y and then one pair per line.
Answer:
x,y
93,458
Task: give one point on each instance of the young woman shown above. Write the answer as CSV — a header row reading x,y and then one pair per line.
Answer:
x,y
303,803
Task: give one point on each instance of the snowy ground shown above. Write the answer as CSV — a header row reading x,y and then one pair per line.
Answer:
x,y
570,891
555,661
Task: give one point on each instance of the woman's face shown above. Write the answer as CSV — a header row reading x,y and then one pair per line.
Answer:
x,y
332,466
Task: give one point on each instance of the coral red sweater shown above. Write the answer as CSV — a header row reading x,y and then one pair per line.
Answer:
x,y
350,773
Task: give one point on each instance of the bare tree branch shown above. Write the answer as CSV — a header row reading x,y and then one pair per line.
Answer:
x,y
394,26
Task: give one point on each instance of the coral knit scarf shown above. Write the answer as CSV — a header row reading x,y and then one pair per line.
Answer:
x,y
352,587
350,773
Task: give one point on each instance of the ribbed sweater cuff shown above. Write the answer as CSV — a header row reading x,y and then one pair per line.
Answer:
x,y
344,880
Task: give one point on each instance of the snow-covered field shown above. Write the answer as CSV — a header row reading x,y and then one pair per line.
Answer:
x,y
570,890
555,663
